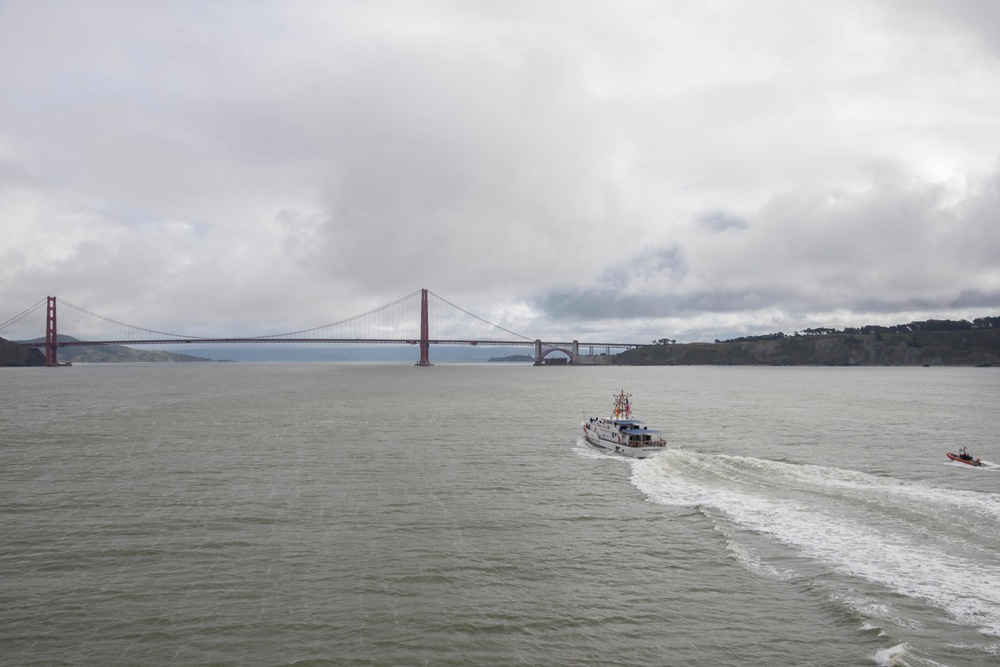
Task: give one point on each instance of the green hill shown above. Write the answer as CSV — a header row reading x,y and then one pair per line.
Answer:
x,y
100,354
976,347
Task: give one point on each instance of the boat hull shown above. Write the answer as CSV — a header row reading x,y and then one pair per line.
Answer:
x,y
968,462
608,442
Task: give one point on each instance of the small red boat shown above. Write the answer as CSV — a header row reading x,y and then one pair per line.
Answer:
x,y
964,457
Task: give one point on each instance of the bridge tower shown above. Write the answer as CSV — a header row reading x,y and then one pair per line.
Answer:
x,y
425,342
51,337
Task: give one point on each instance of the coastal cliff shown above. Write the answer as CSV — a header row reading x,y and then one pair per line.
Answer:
x,y
930,348
15,354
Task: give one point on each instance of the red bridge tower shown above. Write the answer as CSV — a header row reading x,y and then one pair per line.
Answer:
x,y
51,338
425,338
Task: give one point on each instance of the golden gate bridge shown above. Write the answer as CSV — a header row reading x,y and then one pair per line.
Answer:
x,y
53,323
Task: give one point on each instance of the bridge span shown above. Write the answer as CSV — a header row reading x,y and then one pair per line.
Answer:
x,y
396,322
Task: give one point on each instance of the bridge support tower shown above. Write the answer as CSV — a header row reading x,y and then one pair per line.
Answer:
x,y
425,337
51,335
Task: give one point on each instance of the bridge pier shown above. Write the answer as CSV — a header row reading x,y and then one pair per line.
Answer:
x,y
573,352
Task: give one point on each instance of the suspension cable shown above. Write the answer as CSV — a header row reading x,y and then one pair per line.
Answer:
x,y
123,324
473,315
18,318
349,319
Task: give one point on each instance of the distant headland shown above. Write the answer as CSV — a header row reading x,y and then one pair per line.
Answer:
x,y
926,343
514,357
15,354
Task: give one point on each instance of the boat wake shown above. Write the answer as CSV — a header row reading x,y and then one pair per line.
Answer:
x,y
985,465
588,452
933,545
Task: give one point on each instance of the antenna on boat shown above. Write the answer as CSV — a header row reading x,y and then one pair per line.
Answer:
x,y
622,405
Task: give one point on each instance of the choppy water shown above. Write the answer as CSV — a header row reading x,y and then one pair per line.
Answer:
x,y
341,514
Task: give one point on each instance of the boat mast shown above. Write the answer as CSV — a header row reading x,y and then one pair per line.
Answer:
x,y
622,405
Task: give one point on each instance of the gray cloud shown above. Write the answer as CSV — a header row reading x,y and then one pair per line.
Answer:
x,y
896,249
561,169
719,221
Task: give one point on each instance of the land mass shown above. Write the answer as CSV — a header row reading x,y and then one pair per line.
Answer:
x,y
15,354
514,357
977,347
100,354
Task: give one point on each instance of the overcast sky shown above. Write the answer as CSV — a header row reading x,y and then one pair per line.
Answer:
x,y
602,170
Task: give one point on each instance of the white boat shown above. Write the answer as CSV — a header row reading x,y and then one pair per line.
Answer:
x,y
622,434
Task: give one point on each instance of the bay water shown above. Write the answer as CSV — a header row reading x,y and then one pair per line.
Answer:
x,y
384,514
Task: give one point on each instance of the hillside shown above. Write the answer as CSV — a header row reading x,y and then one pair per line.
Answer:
x,y
99,354
14,354
980,347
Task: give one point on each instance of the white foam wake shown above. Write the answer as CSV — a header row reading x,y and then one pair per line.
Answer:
x,y
931,544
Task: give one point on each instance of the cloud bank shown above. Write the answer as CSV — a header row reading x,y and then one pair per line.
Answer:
x,y
619,171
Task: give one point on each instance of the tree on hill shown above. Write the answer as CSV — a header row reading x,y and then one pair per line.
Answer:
x,y
912,327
